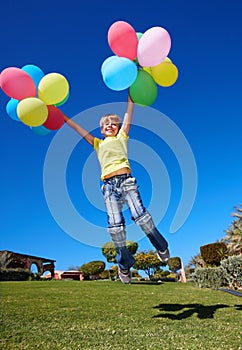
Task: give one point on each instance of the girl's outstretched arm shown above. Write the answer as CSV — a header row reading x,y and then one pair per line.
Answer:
x,y
80,130
128,116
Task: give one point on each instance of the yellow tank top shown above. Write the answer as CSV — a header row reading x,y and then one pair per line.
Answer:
x,y
112,153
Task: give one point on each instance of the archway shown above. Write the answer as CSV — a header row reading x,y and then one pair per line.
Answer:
x,y
24,261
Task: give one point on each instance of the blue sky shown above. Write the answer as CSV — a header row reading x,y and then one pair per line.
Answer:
x,y
205,104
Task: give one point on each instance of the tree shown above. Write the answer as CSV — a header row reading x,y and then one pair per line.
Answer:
x,y
93,268
233,238
148,262
196,261
5,259
109,251
73,268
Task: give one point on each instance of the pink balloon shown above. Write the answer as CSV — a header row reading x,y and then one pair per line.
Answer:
x,y
17,84
153,46
123,40
55,118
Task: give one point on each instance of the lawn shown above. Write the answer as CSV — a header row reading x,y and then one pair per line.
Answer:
x,y
109,315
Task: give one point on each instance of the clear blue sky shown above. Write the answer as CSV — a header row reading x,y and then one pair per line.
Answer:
x,y
205,104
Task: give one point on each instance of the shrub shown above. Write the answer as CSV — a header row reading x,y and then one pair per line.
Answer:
x,y
105,275
233,269
93,268
164,273
109,251
213,253
172,276
210,277
174,264
15,275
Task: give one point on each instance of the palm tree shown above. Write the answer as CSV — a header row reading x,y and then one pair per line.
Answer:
x,y
5,259
233,238
196,261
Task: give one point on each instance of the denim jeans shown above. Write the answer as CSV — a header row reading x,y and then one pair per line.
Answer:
x,y
122,189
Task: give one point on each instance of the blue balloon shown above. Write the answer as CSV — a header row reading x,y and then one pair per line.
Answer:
x,y
40,130
35,72
106,62
11,109
119,72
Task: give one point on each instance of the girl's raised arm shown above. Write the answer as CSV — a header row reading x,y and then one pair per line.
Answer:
x,y
80,130
128,116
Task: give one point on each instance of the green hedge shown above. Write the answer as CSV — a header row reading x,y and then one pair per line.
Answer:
x,y
229,273
233,269
210,277
15,275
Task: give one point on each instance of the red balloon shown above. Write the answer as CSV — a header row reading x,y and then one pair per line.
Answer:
x,y
55,118
123,40
17,84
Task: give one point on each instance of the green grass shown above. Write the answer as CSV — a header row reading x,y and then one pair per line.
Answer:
x,y
109,315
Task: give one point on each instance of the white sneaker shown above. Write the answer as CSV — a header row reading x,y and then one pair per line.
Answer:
x,y
125,275
163,256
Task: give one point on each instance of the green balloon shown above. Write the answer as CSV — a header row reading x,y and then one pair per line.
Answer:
x,y
144,89
63,101
139,35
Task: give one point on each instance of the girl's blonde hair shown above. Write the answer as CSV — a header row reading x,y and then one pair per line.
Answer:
x,y
113,118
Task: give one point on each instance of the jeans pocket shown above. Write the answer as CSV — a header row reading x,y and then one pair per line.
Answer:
x,y
129,184
106,190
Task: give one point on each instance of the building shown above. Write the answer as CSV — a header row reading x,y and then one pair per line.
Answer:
x,y
12,260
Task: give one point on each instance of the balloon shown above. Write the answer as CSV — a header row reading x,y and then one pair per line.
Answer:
x,y
167,59
148,70
139,35
119,73
106,62
153,46
40,130
35,72
32,111
165,74
144,90
16,83
55,118
123,40
11,109
62,102
53,88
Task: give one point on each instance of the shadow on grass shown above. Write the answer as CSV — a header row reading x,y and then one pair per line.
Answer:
x,y
188,310
238,307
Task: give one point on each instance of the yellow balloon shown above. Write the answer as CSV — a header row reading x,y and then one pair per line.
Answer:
x,y
167,59
165,74
147,69
32,111
53,88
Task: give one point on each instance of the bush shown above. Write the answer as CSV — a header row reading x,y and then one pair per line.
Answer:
x,y
210,277
109,251
174,263
213,253
105,275
93,268
15,275
164,273
233,270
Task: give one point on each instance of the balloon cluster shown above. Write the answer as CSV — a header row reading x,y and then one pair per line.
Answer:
x,y
35,97
140,62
